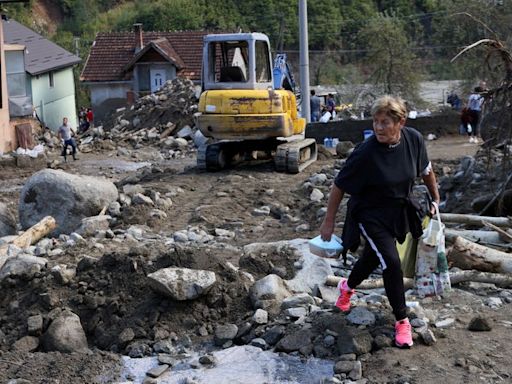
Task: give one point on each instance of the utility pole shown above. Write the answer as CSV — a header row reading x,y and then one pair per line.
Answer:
x,y
76,41
304,60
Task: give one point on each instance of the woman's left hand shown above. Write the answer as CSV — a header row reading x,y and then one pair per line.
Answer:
x,y
433,208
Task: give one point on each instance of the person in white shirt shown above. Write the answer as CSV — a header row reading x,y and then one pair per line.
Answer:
x,y
64,133
475,102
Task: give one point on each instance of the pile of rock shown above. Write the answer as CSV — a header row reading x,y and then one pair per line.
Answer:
x,y
131,290
475,181
164,119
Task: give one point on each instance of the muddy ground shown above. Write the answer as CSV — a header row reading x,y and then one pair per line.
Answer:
x,y
226,200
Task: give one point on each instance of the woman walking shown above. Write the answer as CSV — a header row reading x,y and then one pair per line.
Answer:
x,y
379,176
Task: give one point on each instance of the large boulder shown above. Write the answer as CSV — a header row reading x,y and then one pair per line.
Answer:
x,y
23,266
68,198
65,334
7,222
268,293
182,283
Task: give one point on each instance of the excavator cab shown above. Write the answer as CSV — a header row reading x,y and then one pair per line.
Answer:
x,y
236,61
243,111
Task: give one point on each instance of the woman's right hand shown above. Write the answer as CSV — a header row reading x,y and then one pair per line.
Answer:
x,y
326,230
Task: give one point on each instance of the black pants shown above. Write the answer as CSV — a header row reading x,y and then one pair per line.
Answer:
x,y
475,121
381,249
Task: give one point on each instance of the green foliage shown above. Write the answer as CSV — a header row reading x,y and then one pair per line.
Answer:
x,y
324,24
389,56
391,42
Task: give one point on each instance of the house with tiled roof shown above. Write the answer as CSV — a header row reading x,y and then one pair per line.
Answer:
x,y
39,76
123,66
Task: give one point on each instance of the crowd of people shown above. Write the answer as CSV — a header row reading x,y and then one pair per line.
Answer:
x,y
85,119
318,109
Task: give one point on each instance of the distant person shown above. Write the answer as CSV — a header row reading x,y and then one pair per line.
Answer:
x,y
475,102
454,100
314,103
90,117
466,122
65,133
83,124
330,105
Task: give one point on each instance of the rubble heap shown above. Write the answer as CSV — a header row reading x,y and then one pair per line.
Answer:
x,y
164,119
173,106
480,184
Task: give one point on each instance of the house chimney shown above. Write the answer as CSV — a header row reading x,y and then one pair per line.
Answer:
x,y
139,42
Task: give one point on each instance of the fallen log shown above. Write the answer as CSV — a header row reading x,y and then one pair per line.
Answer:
x,y
31,235
475,219
501,280
504,235
333,281
477,236
488,238
465,254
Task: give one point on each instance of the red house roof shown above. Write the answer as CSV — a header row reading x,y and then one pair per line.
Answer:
x,y
112,53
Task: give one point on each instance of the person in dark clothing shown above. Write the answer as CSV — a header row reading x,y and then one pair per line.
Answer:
x,y
379,176
454,100
466,120
314,104
330,105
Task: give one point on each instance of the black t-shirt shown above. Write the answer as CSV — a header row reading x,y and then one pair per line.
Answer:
x,y
379,178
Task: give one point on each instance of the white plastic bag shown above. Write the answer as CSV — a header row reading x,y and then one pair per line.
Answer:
x,y
325,117
329,249
469,129
430,279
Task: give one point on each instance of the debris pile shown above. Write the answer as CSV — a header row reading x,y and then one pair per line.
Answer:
x,y
142,290
164,119
479,184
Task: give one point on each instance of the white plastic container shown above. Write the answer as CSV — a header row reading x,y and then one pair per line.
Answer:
x,y
329,249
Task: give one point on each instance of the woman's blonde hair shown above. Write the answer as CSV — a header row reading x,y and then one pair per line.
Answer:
x,y
392,106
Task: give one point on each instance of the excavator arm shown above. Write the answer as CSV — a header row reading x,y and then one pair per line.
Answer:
x,y
283,77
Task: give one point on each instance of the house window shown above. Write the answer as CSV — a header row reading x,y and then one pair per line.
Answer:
x,y
16,76
50,79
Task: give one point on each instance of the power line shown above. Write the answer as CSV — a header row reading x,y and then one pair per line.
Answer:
x,y
324,51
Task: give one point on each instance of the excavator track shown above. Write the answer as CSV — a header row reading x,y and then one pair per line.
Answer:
x,y
212,157
292,157
295,156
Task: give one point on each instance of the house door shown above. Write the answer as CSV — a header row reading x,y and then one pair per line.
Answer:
x,y
158,78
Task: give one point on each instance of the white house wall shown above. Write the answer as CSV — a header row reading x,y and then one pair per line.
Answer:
x,y
52,104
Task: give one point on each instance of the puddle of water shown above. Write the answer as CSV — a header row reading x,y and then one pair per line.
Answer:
x,y
237,365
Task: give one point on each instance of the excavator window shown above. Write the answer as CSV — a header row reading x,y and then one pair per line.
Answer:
x,y
263,74
232,74
229,61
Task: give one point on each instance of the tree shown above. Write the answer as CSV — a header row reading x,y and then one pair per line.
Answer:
x,y
389,57
324,24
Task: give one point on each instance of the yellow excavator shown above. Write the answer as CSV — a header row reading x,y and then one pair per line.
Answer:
x,y
248,106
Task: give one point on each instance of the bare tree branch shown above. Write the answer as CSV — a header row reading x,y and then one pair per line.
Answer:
x,y
478,21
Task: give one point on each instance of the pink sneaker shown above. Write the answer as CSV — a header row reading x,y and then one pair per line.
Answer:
x,y
346,293
403,334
